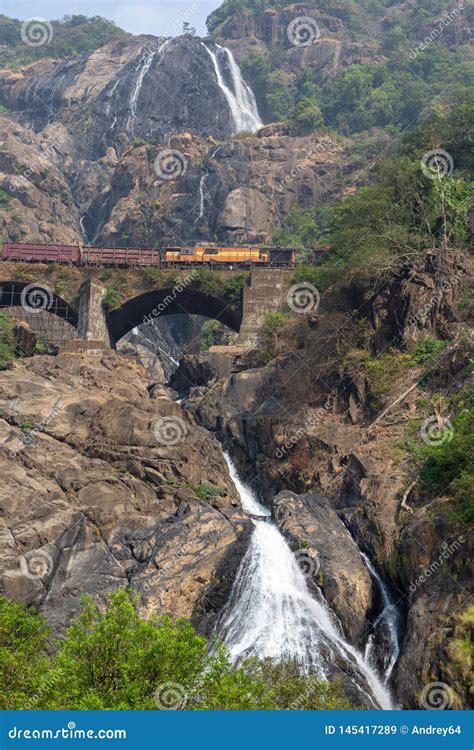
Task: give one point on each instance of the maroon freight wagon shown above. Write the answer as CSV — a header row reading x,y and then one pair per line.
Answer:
x,y
26,253
120,257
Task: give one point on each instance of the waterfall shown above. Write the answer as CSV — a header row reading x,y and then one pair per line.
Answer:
x,y
271,613
143,67
388,618
202,195
83,229
240,97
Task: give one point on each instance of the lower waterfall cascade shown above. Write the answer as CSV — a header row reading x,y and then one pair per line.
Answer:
x,y
388,618
271,612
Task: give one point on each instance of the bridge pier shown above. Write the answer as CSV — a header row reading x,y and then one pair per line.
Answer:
x,y
266,293
92,318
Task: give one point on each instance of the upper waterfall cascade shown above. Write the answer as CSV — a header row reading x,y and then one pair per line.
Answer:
x,y
271,612
240,97
143,67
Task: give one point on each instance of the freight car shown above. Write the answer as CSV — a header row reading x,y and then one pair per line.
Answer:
x,y
120,257
24,253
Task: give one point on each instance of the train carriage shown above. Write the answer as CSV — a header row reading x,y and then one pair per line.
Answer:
x,y
282,257
121,257
28,253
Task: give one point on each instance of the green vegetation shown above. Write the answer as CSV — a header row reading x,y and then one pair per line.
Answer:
x,y
274,324
388,93
428,350
225,285
112,659
71,36
208,492
298,230
212,333
42,345
447,465
461,649
381,372
8,352
5,199
112,298
402,213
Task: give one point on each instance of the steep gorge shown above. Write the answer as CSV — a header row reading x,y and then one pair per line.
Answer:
x,y
111,482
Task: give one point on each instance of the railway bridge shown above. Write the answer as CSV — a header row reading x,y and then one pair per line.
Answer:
x,y
87,320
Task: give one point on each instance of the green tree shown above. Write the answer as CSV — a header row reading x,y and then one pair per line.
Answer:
x,y
23,657
110,658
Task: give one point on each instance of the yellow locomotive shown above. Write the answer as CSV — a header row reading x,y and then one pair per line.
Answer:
x,y
213,254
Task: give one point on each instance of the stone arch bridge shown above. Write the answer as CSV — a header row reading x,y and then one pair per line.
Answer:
x,y
90,321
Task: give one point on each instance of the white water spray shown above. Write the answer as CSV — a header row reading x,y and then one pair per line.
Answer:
x,y
143,67
271,613
389,618
202,196
240,97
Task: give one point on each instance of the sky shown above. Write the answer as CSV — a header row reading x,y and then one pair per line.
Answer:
x,y
159,17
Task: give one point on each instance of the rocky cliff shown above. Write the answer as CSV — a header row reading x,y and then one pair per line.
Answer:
x,y
107,485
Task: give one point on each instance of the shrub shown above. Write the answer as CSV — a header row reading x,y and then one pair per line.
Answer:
x,y
427,350
112,298
208,492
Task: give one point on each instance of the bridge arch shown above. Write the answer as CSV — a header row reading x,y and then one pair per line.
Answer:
x,y
45,312
154,304
34,298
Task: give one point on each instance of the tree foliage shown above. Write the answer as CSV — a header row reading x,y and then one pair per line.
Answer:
x,y
72,35
110,658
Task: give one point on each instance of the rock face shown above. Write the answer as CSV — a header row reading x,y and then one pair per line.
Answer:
x,y
138,87
312,527
120,147
104,487
329,44
38,203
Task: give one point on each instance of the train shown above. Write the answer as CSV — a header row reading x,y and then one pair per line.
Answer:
x,y
209,255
